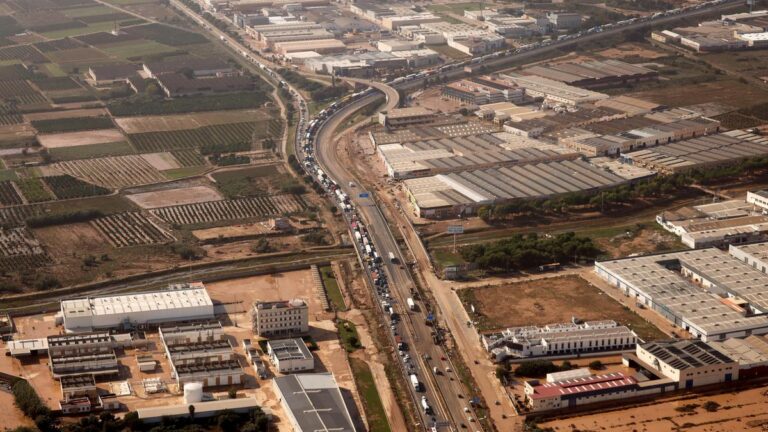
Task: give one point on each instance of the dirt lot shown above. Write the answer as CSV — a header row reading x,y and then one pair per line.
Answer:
x,y
729,92
279,286
549,300
51,115
431,99
186,121
72,139
632,50
161,161
739,411
179,196
641,241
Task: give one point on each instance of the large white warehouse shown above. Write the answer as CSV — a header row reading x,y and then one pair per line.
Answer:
x,y
179,302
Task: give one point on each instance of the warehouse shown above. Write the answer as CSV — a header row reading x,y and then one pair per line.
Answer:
x,y
280,318
423,158
391,45
690,363
707,151
554,92
320,46
419,58
357,65
259,32
559,339
754,255
314,403
201,355
593,74
290,355
483,91
751,353
394,22
179,302
579,391
205,409
462,193
178,85
279,35
191,332
200,67
671,285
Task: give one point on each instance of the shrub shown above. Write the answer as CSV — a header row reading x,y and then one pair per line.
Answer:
x,y
597,365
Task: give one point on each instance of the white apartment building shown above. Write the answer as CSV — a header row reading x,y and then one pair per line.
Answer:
x,y
281,318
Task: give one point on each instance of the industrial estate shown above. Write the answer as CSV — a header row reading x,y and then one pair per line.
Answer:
x,y
355,215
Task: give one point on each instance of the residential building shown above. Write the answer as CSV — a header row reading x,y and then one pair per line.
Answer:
x,y
290,355
281,318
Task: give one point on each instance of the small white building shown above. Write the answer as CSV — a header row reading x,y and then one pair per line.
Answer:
x,y
758,198
290,355
690,363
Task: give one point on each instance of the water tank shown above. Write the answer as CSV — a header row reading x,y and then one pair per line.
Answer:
x,y
193,392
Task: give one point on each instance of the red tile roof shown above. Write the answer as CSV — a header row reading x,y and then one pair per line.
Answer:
x,y
583,385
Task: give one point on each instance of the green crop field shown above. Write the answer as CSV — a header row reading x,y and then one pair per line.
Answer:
x,y
137,49
34,190
167,35
72,124
188,158
229,136
67,187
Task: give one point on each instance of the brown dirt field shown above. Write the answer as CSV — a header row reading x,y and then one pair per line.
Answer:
x,y
11,416
739,411
431,99
231,231
186,121
51,115
179,196
647,240
72,139
728,92
161,161
627,50
547,301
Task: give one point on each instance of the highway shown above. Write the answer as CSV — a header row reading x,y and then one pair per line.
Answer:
x,y
443,390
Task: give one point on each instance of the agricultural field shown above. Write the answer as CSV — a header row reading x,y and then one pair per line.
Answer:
x,y
175,197
83,138
215,211
161,161
58,45
22,53
748,117
138,49
188,158
9,115
21,91
255,181
166,35
8,194
542,301
166,123
68,187
229,137
120,148
130,229
75,124
19,249
15,216
112,172
34,190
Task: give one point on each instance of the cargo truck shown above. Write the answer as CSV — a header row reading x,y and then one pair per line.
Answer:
x,y
411,304
415,382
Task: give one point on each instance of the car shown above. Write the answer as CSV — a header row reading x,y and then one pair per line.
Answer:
x,y
443,358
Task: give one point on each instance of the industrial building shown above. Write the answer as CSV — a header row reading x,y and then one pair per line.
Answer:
x,y
320,46
502,112
716,225
200,67
593,74
431,157
357,65
284,318
690,363
731,32
462,193
711,294
751,353
313,402
177,303
404,117
179,85
705,151
200,353
290,355
554,92
758,198
110,74
391,45
564,20
206,409
578,391
484,89
394,22
559,339
86,353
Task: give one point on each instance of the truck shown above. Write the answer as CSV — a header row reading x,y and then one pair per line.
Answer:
x,y
392,257
415,382
411,303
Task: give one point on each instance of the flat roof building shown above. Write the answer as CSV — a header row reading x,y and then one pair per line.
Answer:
x,y
178,303
403,117
320,46
691,363
290,355
593,74
281,318
578,391
314,403
483,91
559,339
554,92
709,293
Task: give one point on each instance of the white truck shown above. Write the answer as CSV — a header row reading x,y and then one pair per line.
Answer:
x,y
411,303
392,257
415,382
425,405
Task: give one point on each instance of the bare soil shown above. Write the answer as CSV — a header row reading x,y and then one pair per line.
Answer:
x,y
161,161
632,50
72,139
729,92
186,121
547,301
169,197
52,115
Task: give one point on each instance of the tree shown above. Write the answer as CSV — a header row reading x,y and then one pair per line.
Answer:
x,y
153,89
597,365
232,393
